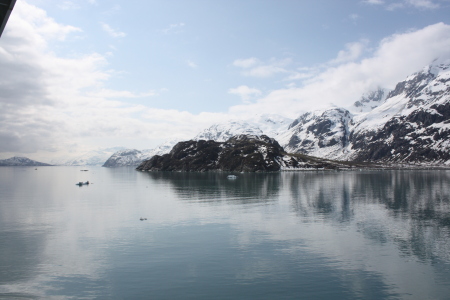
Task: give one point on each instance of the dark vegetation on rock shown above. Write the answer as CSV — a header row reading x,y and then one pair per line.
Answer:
x,y
243,153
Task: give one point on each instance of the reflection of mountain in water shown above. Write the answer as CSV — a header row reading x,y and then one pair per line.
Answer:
x,y
214,186
409,208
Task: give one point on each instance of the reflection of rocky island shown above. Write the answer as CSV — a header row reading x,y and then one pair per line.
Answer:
x,y
215,187
241,153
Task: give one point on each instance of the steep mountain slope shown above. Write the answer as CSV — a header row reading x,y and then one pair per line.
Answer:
x,y
412,125
370,101
321,133
21,161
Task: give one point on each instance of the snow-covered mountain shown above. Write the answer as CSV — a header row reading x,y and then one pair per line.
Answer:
x,y
270,125
21,161
409,124
91,158
322,133
369,101
412,125
133,157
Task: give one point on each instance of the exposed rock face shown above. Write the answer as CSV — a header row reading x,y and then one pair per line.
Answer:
x,y
370,100
21,161
319,133
243,153
412,125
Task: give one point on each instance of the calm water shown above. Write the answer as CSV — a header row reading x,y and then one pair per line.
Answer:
x,y
305,235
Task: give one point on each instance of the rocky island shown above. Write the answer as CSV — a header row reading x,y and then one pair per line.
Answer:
x,y
241,153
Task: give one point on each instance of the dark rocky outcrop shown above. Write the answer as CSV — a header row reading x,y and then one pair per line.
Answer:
x,y
242,153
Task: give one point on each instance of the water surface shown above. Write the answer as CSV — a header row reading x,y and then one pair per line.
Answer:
x,y
299,235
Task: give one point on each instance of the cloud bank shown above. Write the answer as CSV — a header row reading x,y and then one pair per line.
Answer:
x,y
344,79
53,105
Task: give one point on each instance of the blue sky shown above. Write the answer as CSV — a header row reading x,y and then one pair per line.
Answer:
x,y
90,73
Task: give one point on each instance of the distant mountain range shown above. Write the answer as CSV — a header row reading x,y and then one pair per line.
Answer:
x,y
410,124
91,158
21,161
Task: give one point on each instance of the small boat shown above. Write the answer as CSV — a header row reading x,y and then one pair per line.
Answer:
x,y
232,177
143,219
82,183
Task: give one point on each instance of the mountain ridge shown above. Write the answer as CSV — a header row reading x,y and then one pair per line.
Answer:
x,y
407,125
17,161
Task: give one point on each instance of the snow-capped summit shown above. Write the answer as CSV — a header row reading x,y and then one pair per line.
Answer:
x,y
413,124
271,124
322,133
267,124
370,100
409,124
223,131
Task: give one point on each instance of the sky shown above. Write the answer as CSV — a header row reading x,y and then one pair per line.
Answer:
x,y
82,75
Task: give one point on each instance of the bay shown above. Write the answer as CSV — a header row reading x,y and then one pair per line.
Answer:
x,y
291,235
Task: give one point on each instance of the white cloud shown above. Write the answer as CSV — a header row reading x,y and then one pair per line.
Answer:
x,y
174,28
107,94
246,63
375,2
67,5
112,32
50,104
419,4
395,58
253,67
423,4
114,10
354,17
352,52
244,92
191,64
